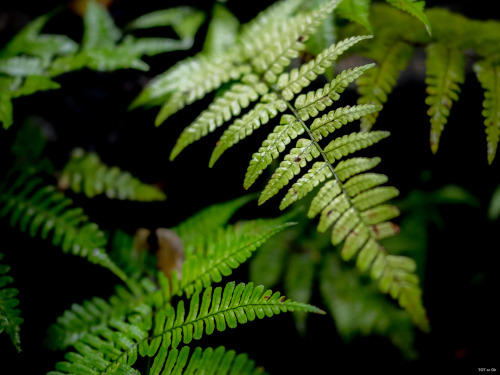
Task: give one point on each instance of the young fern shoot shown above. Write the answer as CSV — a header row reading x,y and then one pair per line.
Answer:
x,y
351,201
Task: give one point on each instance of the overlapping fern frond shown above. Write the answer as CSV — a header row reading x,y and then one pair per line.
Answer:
x,y
85,172
353,205
37,208
208,258
31,59
453,39
10,319
115,349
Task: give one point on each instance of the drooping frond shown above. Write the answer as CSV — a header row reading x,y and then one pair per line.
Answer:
x,y
208,361
86,173
415,8
488,75
377,84
10,319
37,208
119,345
445,72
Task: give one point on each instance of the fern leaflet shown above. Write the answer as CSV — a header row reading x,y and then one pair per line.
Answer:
x,y
445,71
376,85
10,319
209,361
415,8
488,75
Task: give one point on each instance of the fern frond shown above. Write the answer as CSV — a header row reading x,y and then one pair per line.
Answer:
x,y
86,173
310,104
238,97
488,75
269,108
36,208
10,319
415,8
377,84
292,83
298,157
121,343
210,361
222,31
445,72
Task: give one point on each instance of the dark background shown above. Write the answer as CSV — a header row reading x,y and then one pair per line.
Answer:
x,y
461,284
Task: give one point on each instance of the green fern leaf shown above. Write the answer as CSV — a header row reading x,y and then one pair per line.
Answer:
x,y
322,127
239,96
96,313
268,108
210,361
10,319
357,11
222,31
488,75
319,172
445,72
99,28
375,85
298,157
298,283
415,8
36,208
276,142
212,74
353,142
287,42
310,104
6,116
21,66
358,308
292,83
363,182
30,42
184,20
234,246
265,20
86,173
207,221
119,345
